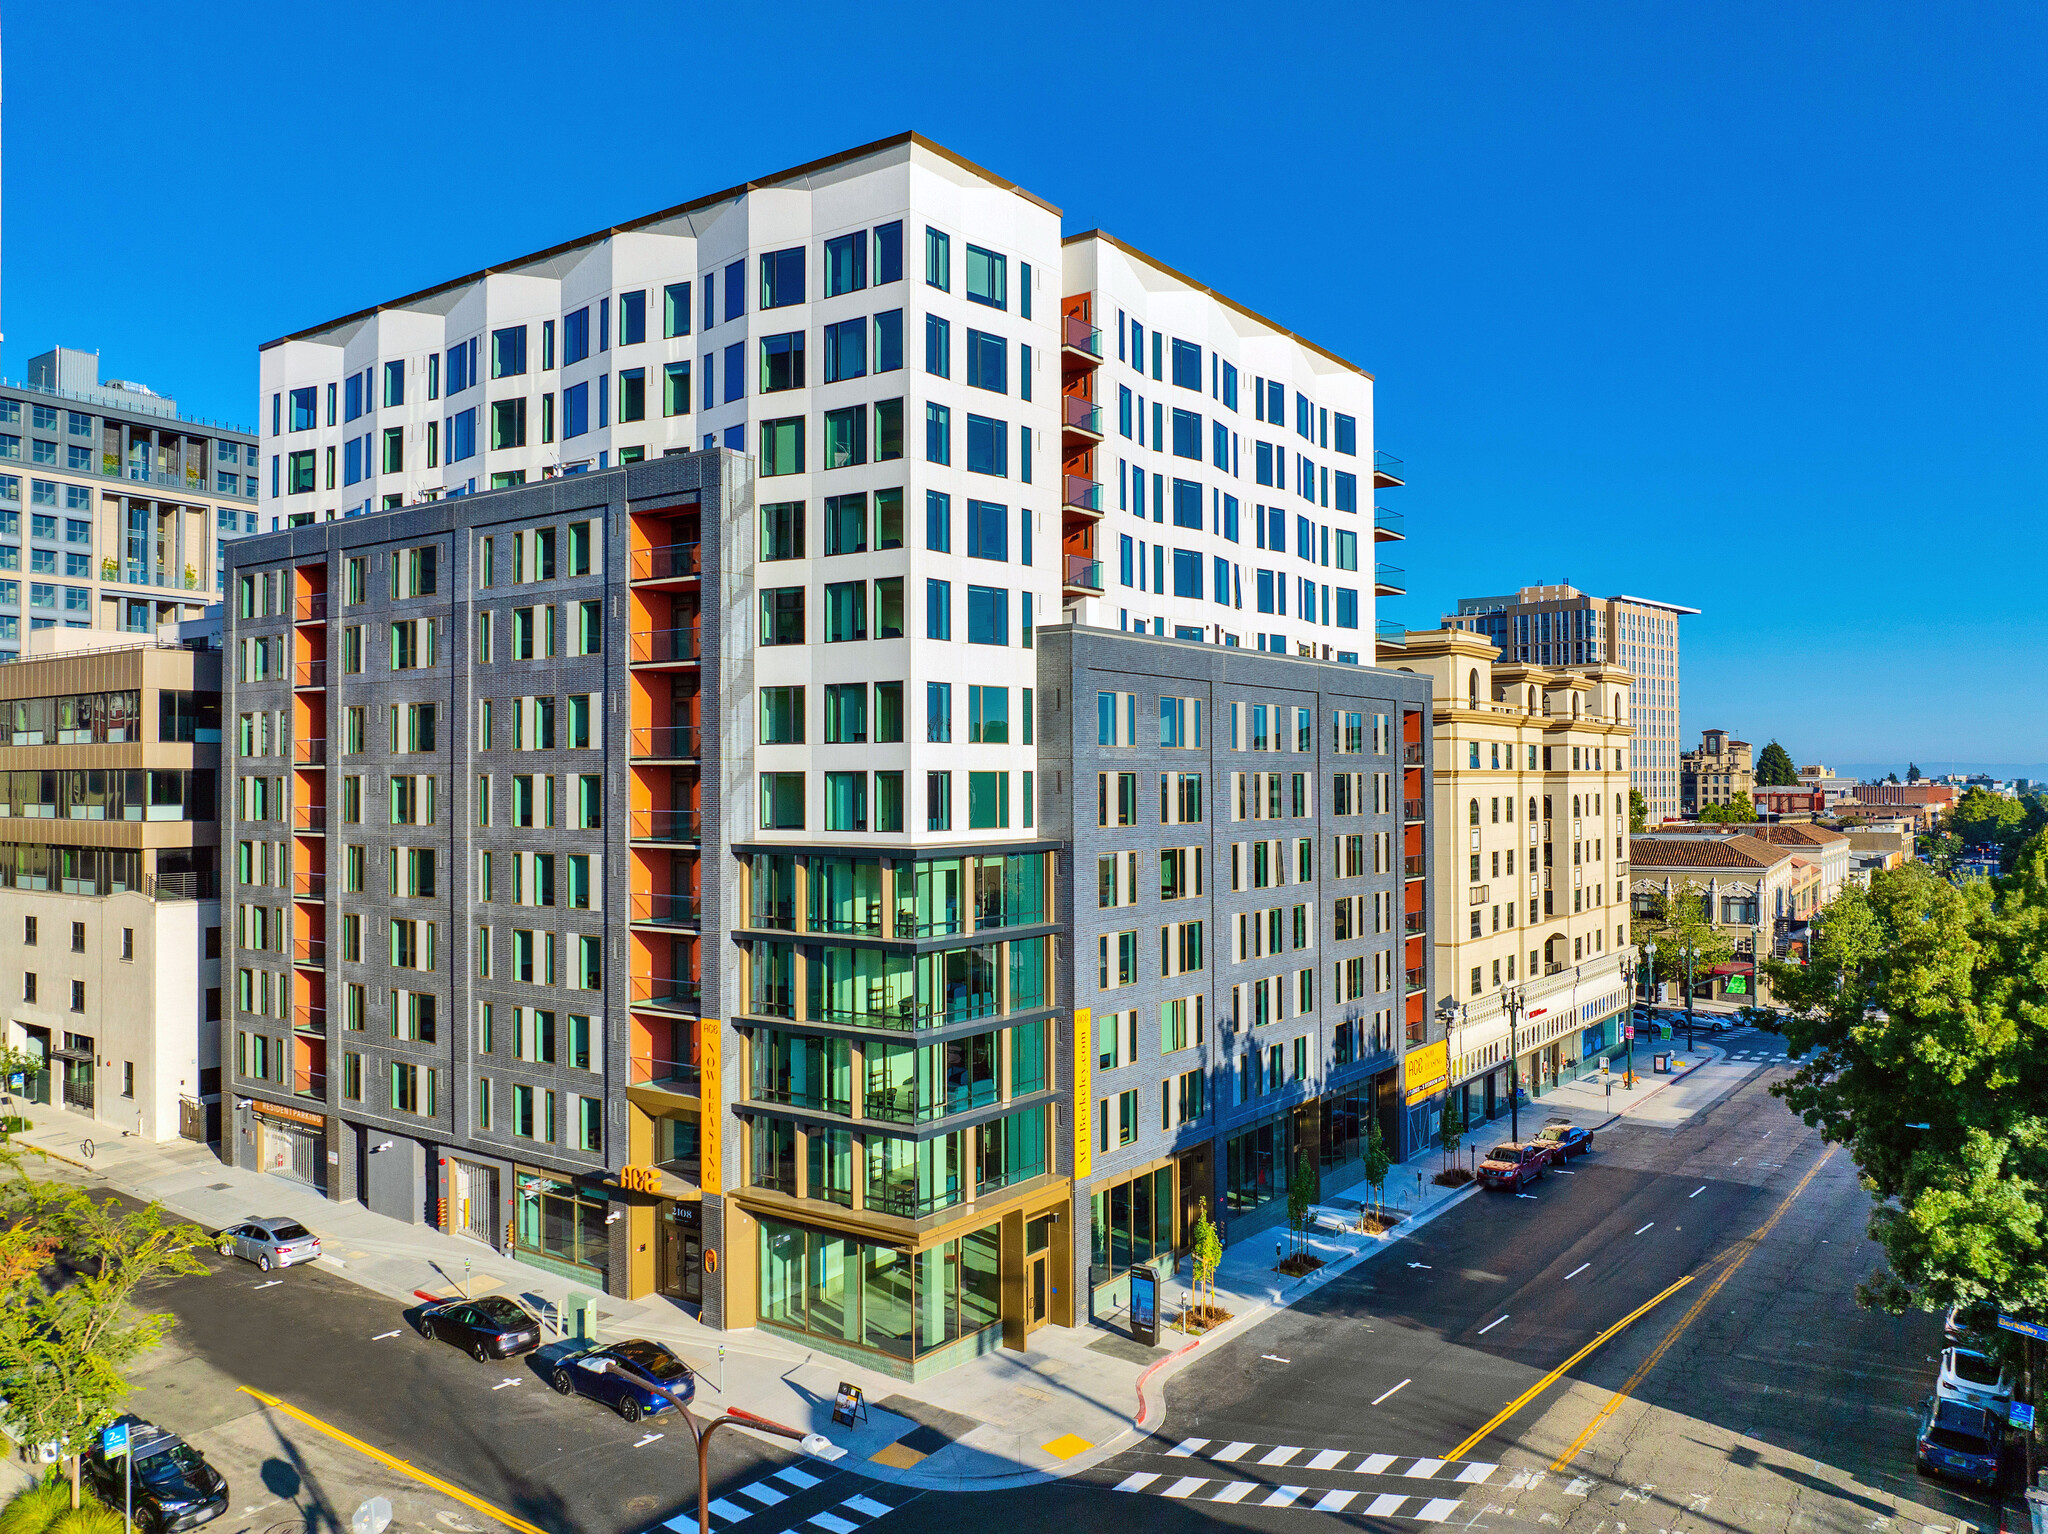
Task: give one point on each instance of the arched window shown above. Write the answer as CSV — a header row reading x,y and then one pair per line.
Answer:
x,y
1532,809
1472,687
1575,806
1474,816
1532,700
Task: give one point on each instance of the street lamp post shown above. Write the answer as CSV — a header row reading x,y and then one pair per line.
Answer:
x,y
814,1444
1690,955
1511,1003
1650,971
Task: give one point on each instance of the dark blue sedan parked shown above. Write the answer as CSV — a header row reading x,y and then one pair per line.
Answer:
x,y
591,1373
1957,1440
1569,1139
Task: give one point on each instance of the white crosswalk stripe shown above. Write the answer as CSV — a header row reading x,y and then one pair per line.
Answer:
x,y
747,1502
1342,1461
1195,1488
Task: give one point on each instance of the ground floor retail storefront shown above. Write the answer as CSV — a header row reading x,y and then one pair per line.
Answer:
x,y
904,1301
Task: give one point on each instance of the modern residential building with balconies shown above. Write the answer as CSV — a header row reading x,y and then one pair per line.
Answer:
x,y
113,504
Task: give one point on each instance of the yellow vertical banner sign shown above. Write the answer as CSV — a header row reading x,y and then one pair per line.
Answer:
x,y
711,1130
1084,1092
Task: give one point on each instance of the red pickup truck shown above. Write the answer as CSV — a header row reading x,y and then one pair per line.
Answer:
x,y
1514,1164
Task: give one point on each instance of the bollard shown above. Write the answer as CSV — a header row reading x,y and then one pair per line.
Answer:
x,y
721,1368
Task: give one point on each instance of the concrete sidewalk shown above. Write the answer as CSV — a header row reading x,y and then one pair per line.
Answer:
x,y
1076,1397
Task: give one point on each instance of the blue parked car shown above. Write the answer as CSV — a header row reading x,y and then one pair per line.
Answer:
x,y
590,1373
1957,1440
1568,1139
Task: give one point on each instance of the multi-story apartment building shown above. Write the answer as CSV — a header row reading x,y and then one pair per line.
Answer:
x,y
668,894
1530,916
1247,860
1219,469
113,504
109,911
1715,771
1561,626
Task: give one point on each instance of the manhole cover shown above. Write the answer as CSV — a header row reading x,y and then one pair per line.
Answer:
x,y
639,1507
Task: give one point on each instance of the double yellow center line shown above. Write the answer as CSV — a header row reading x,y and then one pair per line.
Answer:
x,y
1741,1251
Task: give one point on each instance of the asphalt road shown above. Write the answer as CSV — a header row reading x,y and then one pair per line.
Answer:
x,y
1757,1396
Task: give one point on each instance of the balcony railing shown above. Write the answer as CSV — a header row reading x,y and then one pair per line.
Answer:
x,y
1390,633
310,608
310,817
665,741
1412,753
310,950
312,753
1081,493
199,884
1078,335
310,1084
1415,868
655,910
309,884
310,1020
1084,572
678,1076
666,826
1416,980
1411,809
1081,414
670,561
1387,470
660,645
1390,579
1414,922
310,673
667,993
1388,525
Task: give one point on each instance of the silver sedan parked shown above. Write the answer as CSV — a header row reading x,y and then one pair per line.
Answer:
x,y
271,1243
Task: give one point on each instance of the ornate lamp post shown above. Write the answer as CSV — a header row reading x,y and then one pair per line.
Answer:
x,y
1650,973
1511,998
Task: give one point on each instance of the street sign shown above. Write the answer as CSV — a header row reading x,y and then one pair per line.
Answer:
x,y
114,1439
2038,1330
1738,985
2020,1415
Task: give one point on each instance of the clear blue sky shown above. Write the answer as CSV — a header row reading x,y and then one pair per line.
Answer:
x,y
1740,306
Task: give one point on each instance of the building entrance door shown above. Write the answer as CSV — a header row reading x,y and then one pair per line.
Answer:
x,y
682,1253
476,1201
1037,1290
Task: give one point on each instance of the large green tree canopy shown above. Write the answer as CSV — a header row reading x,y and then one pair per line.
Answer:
x,y
1774,768
1923,1020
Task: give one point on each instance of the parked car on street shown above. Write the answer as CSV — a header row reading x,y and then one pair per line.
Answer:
x,y
1514,1164
591,1373
269,1243
492,1327
1974,1378
1957,1440
1566,1140
172,1484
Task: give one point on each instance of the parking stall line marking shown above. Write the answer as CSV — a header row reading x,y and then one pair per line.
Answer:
x,y
1423,1469
382,1335
1235,1491
1326,1459
1283,1496
1138,1481
1437,1510
867,1505
271,1284
1186,1447
1646,1227
392,1461
649,1438
1575,1272
1384,1504
505,1384
1696,1192
1402,1386
1334,1501
1185,1486
802,1480
1373,1464
1279,1456
1234,1451
1490,1326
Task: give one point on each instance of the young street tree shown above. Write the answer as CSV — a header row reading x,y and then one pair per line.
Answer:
x,y
66,1342
1450,1129
1208,1257
1377,1162
1678,922
1301,1197
1921,1010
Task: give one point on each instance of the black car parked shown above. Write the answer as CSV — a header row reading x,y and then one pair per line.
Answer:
x,y
172,1484
492,1327
590,1373
1569,1139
